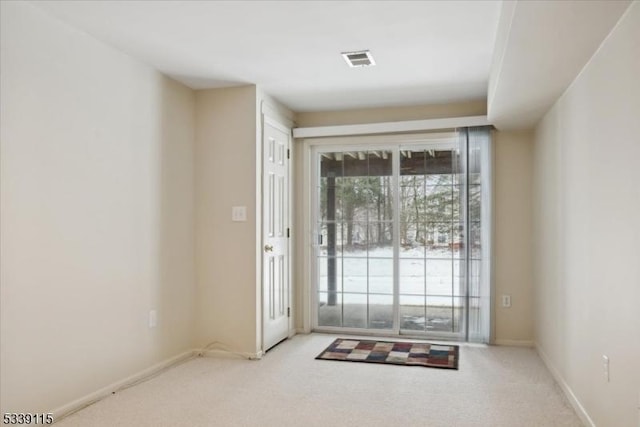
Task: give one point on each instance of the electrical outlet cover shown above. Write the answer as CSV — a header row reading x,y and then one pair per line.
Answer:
x,y
153,319
239,213
506,301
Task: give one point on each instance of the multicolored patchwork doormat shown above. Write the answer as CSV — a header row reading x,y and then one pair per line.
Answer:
x,y
396,353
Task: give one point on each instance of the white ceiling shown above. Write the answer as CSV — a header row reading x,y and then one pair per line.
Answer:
x,y
426,51
541,47
521,55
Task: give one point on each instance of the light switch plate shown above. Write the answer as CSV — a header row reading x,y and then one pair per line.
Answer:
x,y
239,213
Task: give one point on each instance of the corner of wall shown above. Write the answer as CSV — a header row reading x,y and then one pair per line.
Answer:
x,y
227,174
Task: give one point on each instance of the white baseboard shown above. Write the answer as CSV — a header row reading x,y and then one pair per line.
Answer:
x,y
98,395
229,354
514,343
571,397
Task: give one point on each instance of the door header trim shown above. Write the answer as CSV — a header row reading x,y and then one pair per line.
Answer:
x,y
390,127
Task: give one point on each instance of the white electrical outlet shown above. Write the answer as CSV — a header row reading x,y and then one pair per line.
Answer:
x,y
238,213
605,365
153,319
506,301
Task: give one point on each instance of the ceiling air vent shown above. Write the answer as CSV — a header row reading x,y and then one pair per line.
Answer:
x,y
361,58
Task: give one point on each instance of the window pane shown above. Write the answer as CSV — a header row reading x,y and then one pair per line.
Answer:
x,y
381,276
442,203
440,180
355,311
413,239
412,276
380,241
378,197
352,199
330,204
474,202
439,314
355,274
330,239
439,239
412,313
324,269
439,277
381,311
459,266
354,238
329,309
412,198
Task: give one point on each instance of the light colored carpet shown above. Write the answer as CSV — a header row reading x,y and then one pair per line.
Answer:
x,y
494,386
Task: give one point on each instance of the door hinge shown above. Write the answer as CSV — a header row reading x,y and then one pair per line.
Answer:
x,y
288,153
288,311
288,234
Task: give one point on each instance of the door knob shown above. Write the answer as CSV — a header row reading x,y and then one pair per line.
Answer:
x,y
268,248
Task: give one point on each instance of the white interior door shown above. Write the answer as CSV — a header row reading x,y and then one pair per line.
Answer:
x,y
275,230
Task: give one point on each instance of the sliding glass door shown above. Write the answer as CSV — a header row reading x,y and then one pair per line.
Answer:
x,y
431,247
356,239
399,233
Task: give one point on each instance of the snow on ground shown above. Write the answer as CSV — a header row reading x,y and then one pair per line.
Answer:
x,y
431,272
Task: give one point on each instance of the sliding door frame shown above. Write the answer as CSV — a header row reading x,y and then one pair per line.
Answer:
x,y
393,143
316,148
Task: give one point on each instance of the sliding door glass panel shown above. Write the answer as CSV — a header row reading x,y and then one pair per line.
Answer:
x,y
356,236
429,242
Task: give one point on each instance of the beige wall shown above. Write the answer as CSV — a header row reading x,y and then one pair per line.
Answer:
x,y
226,258
229,254
512,210
391,114
512,236
586,231
96,214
